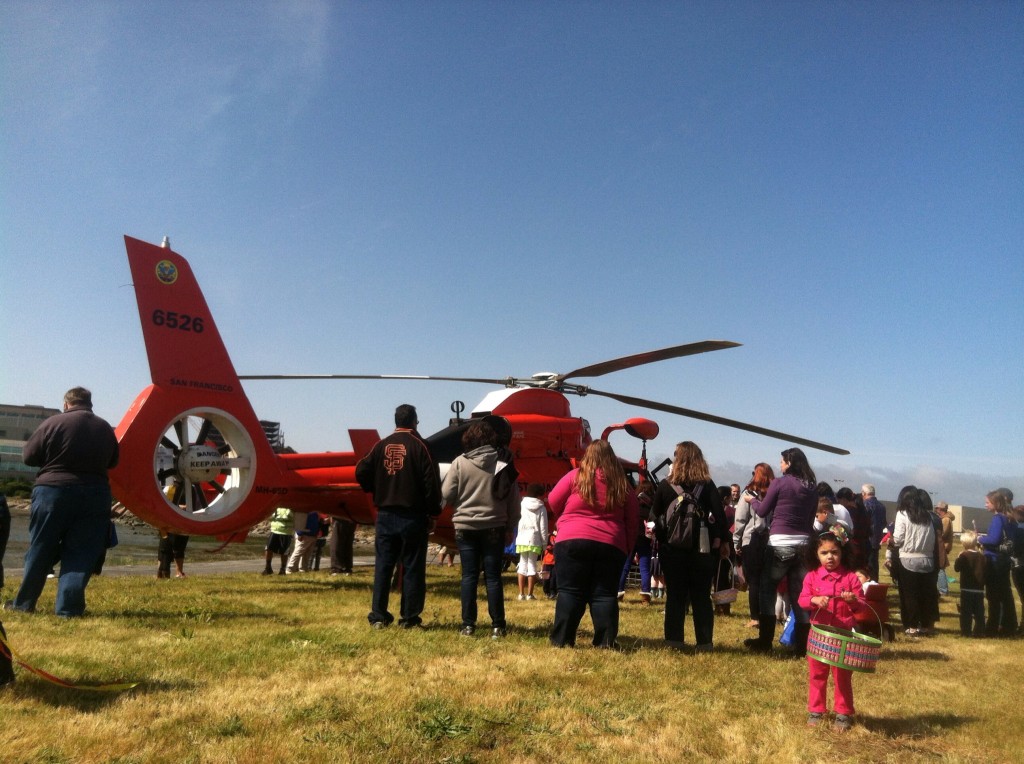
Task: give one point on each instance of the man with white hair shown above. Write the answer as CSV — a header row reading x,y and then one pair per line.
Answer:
x,y
876,513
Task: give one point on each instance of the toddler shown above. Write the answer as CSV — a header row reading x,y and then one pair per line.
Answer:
x,y
832,595
531,538
971,567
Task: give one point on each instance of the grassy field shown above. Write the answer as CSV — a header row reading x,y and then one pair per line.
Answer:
x,y
245,668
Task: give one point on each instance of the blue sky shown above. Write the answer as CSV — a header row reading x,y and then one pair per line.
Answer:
x,y
478,189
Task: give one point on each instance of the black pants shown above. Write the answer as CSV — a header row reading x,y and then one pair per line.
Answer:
x,y
588,574
1017,575
752,561
1002,611
688,584
916,591
343,534
172,547
972,614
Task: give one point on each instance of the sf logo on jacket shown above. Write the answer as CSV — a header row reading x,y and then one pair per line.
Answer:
x,y
394,457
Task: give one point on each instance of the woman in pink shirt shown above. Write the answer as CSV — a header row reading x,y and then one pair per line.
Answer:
x,y
597,512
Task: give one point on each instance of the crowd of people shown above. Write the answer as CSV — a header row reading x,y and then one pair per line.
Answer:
x,y
800,550
793,539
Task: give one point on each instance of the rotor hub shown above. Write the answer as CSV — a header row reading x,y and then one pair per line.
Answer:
x,y
200,463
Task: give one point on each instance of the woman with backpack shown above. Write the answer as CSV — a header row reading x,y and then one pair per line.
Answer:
x,y
693,535
789,505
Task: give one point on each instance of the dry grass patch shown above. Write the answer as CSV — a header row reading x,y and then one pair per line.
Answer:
x,y
246,668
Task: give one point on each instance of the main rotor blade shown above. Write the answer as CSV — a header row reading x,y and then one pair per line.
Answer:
x,y
594,370
415,377
651,356
644,403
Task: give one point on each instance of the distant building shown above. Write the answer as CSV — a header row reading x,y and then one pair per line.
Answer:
x,y
17,423
271,429
274,435
964,518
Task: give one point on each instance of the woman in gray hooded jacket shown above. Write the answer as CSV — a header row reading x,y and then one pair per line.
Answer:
x,y
481,488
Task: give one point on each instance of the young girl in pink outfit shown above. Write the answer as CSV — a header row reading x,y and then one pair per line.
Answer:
x,y
832,594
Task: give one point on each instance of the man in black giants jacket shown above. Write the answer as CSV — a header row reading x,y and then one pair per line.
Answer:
x,y
406,488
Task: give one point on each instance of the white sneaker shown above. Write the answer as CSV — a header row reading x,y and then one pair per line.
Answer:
x,y
530,597
521,597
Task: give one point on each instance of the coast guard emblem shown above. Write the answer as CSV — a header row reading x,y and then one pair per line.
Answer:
x,y
166,272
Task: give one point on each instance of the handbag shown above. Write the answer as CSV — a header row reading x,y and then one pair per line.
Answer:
x,y
1005,543
787,633
725,596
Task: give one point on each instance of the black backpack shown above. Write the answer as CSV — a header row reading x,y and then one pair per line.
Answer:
x,y
683,519
1017,551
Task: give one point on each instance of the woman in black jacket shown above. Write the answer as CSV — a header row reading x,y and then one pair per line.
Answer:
x,y
688,571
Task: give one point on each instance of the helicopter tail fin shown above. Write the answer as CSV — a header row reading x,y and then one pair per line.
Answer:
x,y
194,457
182,342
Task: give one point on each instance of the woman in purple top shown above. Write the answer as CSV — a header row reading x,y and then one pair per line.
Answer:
x,y
597,514
788,506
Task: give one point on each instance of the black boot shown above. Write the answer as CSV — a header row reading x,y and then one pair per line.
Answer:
x,y
762,643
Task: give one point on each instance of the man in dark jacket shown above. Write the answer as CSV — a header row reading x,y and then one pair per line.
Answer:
x,y
5,533
406,488
6,670
70,515
876,511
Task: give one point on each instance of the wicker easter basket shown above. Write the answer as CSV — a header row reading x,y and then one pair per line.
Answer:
x,y
843,648
729,595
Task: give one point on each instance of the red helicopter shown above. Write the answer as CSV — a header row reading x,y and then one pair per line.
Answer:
x,y
196,460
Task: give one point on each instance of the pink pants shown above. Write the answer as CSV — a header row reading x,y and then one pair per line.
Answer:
x,y
817,688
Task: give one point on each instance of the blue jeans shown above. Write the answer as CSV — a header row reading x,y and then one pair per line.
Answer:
x,y
643,561
5,532
401,538
588,574
688,584
487,548
70,522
